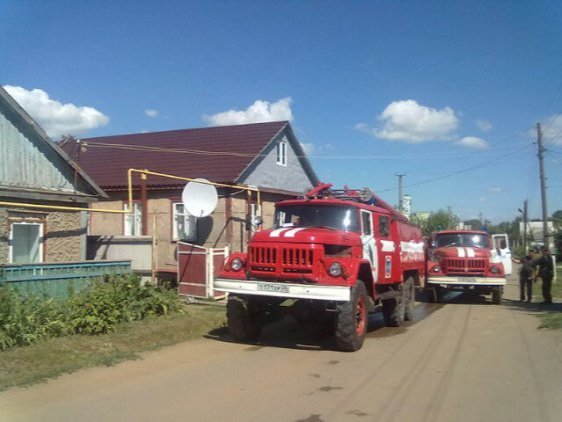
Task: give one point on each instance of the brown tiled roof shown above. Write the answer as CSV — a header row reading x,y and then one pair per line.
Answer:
x,y
219,154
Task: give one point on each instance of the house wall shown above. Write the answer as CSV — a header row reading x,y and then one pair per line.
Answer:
x,y
106,230
267,173
62,233
39,166
63,237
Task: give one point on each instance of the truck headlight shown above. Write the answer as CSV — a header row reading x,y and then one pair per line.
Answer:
x,y
237,264
494,269
335,269
436,269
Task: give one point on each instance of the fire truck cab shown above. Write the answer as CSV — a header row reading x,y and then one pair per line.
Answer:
x,y
331,256
464,260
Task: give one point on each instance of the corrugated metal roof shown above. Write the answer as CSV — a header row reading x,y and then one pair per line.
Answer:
x,y
219,154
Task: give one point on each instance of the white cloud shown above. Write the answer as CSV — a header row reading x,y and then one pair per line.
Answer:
x,y
308,148
151,113
495,189
259,112
473,142
411,122
484,125
551,129
54,117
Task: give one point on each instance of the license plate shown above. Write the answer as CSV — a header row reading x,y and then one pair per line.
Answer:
x,y
277,288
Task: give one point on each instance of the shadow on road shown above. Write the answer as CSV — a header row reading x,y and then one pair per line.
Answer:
x,y
532,307
285,332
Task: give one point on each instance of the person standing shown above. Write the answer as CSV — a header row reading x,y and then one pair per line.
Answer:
x,y
527,275
546,273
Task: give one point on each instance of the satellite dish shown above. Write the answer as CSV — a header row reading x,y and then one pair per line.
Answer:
x,y
199,198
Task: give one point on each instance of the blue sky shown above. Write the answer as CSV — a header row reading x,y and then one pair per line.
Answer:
x,y
446,92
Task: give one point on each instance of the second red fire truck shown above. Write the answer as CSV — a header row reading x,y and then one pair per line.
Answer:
x,y
464,260
332,255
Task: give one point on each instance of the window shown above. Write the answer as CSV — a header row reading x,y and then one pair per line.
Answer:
x,y
255,213
366,222
26,243
384,227
132,223
335,217
282,147
184,225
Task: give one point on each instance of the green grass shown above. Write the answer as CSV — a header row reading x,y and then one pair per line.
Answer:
x,y
552,320
26,365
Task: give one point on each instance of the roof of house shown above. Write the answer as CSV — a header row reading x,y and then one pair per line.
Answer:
x,y
24,121
221,154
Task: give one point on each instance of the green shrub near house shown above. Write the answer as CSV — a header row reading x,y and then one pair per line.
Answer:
x,y
26,318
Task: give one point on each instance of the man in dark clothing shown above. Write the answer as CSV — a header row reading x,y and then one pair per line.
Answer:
x,y
546,273
527,275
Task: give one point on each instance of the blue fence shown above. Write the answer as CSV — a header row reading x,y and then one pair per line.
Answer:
x,y
58,279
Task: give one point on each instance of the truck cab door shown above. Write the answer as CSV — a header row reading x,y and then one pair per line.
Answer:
x,y
500,243
368,240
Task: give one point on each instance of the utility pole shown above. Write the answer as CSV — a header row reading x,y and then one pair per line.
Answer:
x,y
543,185
400,193
525,211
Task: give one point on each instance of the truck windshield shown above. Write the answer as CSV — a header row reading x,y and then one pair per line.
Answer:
x,y
470,240
335,217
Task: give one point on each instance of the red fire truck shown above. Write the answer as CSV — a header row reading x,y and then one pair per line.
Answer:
x,y
464,260
332,255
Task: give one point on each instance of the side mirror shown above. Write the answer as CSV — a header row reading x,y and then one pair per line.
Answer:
x,y
254,221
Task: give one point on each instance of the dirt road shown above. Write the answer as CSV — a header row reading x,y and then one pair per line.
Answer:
x,y
462,361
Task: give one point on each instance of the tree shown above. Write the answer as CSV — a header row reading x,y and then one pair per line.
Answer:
x,y
440,220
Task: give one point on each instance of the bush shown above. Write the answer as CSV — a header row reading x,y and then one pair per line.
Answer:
x,y
98,309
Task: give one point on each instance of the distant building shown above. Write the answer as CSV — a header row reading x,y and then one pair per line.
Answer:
x,y
421,215
535,232
407,206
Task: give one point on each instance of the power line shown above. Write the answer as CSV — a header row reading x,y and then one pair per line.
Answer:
x,y
445,176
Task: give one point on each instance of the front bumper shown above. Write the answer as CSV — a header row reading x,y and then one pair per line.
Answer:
x,y
467,281
287,290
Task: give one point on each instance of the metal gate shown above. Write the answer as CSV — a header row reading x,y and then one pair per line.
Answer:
x,y
197,268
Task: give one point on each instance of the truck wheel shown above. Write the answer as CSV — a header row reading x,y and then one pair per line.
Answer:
x,y
351,320
497,295
410,298
393,310
244,321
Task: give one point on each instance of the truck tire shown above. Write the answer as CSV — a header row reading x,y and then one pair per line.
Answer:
x,y
497,293
351,320
410,299
393,310
244,321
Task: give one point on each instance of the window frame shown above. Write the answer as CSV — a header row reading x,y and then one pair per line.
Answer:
x,y
41,240
186,217
136,216
386,219
282,152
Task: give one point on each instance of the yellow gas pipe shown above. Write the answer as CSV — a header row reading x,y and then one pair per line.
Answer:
x,y
130,194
